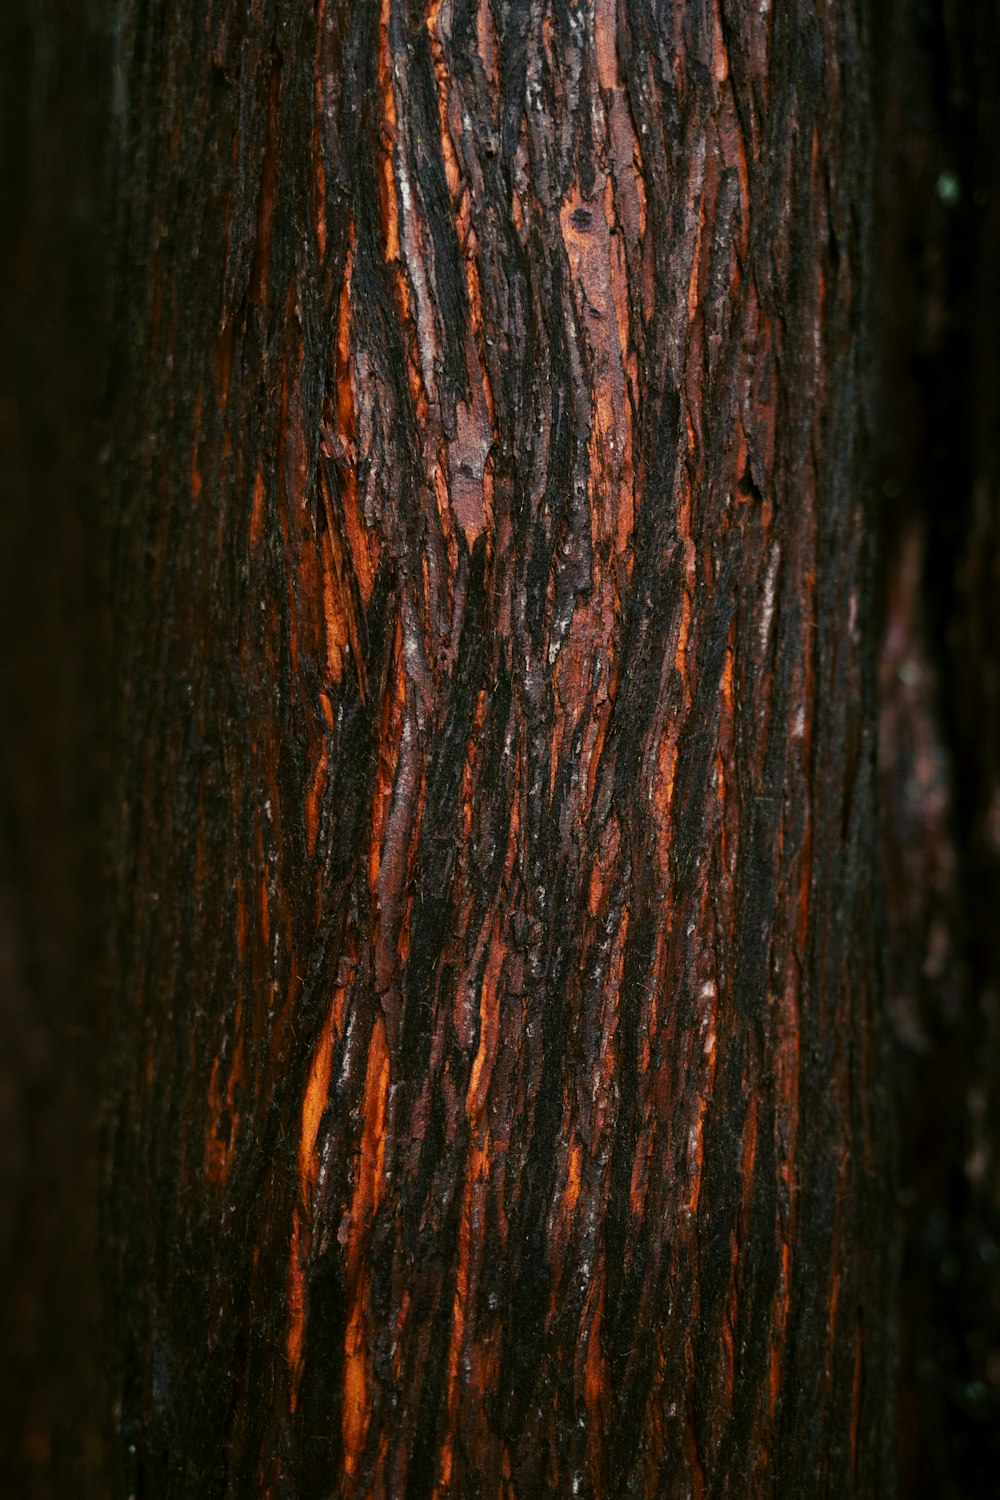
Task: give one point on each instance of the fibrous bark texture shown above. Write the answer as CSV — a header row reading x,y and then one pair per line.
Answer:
x,y
499,1106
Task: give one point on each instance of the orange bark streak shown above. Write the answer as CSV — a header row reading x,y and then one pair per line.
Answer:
x,y
364,1205
313,1105
296,1307
390,210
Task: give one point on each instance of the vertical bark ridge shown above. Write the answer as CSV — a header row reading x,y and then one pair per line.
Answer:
x,y
499,1104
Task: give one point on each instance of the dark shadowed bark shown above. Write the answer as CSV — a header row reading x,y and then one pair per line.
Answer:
x,y
500,1096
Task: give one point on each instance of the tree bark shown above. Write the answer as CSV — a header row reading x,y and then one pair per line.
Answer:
x,y
500,1100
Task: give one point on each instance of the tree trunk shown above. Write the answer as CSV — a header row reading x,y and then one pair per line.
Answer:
x,y
500,1102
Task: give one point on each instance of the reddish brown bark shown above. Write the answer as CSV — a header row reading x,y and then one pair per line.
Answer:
x,y
501,1101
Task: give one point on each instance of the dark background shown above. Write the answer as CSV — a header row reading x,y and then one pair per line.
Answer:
x,y
934,425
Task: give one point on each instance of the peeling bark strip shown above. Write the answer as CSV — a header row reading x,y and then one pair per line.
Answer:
x,y
501,1101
